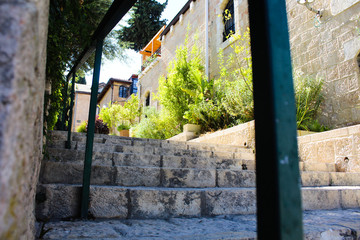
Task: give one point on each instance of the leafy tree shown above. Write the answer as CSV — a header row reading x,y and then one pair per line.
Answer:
x,y
144,23
80,80
71,24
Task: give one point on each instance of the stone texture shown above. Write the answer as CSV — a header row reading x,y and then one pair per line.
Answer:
x,y
230,201
107,202
321,198
318,225
141,160
188,162
138,176
188,177
315,179
235,178
23,34
156,203
57,201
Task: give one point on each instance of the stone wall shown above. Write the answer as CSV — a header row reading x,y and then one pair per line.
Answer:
x,y
191,23
241,135
81,109
340,146
23,34
329,49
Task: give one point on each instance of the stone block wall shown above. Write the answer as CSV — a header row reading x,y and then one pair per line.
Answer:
x,y
329,49
150,81
326,48
340,146
23,35
81,109
191,23
241,135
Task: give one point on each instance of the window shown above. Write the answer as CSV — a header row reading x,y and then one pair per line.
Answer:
x,y
147,101
134,86
229,22
358,60
123,92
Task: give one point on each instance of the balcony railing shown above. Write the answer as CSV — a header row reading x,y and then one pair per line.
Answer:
x,y
150,59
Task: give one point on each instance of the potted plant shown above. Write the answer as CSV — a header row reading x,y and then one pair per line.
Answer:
x,y
124,130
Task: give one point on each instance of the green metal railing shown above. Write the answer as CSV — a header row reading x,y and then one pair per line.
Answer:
x,y
279,211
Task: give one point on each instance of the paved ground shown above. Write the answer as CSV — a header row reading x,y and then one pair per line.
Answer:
x,y
329,225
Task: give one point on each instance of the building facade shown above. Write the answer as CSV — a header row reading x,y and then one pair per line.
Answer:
x,y
327,47
117,91
81,105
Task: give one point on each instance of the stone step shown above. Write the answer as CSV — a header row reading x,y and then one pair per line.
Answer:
x,y
71,173
318,224
318,167
115,140
243,153
59,201
149,160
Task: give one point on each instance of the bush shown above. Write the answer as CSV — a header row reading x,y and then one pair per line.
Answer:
x,y
156,125
100,127
82,128
116,115
123,127
308,98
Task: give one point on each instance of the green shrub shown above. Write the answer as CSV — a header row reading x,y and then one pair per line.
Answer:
x,y
82,127
308,98
184,84
116,115
123,127
156,125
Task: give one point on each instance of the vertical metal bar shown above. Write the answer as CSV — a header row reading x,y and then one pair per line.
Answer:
x,y
279,212
65,104
68,142
90,131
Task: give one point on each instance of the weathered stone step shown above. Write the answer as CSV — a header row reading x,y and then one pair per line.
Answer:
x,y
149,160
243,153
59,201
335,224
71,173
318,167
60,137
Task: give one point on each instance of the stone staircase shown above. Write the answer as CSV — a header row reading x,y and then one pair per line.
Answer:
x,y
143,178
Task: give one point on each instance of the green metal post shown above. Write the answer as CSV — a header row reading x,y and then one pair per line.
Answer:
x,y
90,131
65,104
279,212
68,142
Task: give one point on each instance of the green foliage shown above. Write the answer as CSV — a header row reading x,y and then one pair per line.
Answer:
x,y
143,24
156,125
308,98
123,127
71,24
228,100
82,127
116,114
185,83
235,79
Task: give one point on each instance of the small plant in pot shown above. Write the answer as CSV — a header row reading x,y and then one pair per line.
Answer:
x,y
124,130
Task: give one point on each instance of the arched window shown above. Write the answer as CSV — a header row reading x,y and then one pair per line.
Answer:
x,y
229,20
358,60
147,101
123,92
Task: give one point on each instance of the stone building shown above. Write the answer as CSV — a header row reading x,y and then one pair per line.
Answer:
x,y
327,47
81,105
117,91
